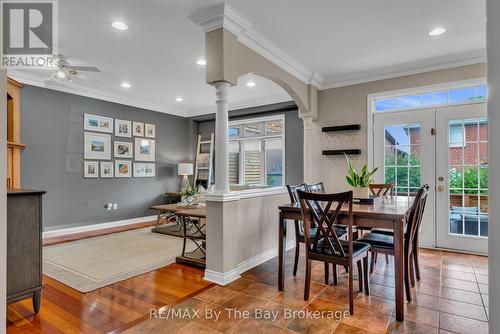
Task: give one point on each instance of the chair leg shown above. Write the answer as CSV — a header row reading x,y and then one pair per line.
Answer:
x,y
335,276
327,273
372,262
407,280
365,276
415,259
386,259
360,275
297,253
411,269
308,279
351,293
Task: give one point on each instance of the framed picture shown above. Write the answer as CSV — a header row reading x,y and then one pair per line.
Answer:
x,y
90,169
107,169
123,149
97,146
123,128
144,170
150,131
97,123
138,129
144,149
123,168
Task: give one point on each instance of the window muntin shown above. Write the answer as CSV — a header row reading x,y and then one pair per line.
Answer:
x,y
438,98
257,151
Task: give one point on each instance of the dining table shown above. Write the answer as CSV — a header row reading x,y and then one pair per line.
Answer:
x,y
388,212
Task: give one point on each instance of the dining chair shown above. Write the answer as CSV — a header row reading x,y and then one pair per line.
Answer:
x,y
384,244
299,227
316,188
322,211
382,189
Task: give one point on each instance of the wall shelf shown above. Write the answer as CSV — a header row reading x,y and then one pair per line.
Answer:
x,y
342,152
349,127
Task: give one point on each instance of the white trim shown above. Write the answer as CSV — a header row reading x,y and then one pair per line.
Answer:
x,y
243,194
417,67
233,275
95,227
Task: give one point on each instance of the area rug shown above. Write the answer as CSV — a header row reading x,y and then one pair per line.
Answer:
x,y
89,264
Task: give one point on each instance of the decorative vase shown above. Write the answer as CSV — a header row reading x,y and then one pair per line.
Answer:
x,y
361,192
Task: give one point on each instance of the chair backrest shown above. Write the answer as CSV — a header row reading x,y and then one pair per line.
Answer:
x,y
382,189
316,188
322,210
415,214
292,191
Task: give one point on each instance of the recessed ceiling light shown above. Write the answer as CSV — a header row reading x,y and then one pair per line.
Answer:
x,y
250,84
60,74
201,62
179,99
437,31
119,25
126,85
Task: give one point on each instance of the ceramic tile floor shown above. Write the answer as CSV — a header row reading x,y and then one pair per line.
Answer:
x,y
452,297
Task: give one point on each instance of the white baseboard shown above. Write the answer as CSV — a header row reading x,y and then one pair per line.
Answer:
x,y
94,227
233,275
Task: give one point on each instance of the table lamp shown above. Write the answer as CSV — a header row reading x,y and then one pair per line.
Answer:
x,y
185,169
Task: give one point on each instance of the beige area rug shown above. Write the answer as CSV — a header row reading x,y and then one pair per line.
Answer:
x,y
89,264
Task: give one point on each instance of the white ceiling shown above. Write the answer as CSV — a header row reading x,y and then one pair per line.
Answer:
x,y
339,40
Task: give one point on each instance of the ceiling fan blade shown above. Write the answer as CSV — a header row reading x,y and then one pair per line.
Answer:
x,y
85,68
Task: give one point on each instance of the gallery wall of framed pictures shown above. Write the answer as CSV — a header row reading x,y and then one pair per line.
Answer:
x,y
132,158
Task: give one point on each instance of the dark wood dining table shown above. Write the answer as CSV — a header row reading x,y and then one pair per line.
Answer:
x,y
388,213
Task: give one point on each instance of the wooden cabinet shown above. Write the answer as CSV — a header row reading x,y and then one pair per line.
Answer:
x,y
14,145
24,245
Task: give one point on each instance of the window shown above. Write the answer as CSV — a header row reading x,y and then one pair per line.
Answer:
x,y
457,135
432,99
257,151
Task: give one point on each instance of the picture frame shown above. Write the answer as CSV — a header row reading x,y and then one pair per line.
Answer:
x,y
123,128
107,169
145,149
90,169
150,130
144,169
97,123
97,146
138,129
123,149
123,168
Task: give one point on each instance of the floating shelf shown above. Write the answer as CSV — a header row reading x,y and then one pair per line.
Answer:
x,y
342,152
350,127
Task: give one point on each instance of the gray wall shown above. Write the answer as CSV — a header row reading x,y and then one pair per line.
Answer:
x,y
493,27
294,135
52,129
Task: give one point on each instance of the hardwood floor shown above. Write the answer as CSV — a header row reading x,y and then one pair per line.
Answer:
x,y
119,306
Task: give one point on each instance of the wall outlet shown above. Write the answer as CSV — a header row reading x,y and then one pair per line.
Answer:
x,y
115,206
109,206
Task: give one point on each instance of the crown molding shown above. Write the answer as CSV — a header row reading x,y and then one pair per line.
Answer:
x,y
34,80
417,67
225,16
250,103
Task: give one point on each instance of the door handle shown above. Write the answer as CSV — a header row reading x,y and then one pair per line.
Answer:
x,y
440,189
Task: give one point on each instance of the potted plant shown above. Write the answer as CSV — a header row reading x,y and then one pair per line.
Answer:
x,y
359,182
189,195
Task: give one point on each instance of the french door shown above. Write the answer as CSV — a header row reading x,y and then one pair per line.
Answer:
x,y
404,152
446,148
462,177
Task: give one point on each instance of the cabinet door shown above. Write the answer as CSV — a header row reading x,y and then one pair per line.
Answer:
x,y
23,243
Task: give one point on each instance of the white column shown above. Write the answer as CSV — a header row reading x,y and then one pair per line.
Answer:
x,y
493,43
308,177
221,138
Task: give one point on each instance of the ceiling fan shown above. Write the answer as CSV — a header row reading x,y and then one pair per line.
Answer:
x,y
65,71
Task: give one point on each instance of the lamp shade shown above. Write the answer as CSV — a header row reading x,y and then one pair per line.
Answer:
x,y
185,169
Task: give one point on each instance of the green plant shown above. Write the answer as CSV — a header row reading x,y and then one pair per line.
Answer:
x,y
189,191
362,179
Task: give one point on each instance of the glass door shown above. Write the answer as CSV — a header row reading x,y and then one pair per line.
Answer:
x,y
462,178
404,152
